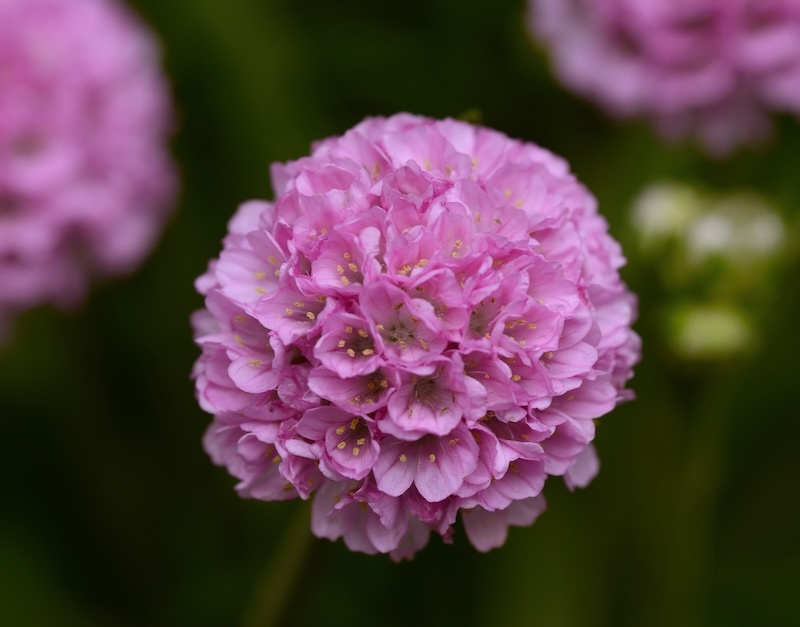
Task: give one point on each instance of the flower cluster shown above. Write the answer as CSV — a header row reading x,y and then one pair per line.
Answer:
x,y
708,68
85,180
718,257
427,320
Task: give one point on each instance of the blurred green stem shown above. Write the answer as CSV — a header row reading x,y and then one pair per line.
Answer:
x,y
275,585
689,559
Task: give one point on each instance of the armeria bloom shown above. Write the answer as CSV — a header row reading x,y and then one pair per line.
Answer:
x,y
426,321
713,69
85,177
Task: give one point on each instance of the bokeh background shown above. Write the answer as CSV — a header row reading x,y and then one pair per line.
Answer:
x,y
112,515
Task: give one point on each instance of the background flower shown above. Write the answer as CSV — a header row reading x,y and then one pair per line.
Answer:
x,y
85,177
329,364
713,69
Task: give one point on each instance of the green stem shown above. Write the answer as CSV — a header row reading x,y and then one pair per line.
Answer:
x,y
688,566
275,585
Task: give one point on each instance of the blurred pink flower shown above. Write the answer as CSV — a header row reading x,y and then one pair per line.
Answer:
x,y
713,69
85,178
427,320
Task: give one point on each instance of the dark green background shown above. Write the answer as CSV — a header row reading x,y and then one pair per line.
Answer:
x,y
113,514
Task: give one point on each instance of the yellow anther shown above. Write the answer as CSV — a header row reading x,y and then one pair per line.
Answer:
x,y
347,257
354,424
340,429
380,327
260,275
367,352
455,254
516,377
351,352
532,326
458,243
404,270
260,290
356,400
549,355
240,319
341,343
299,303
361,441
311,315
454,441
254,362
397,306
288,311
341,445
340,269
363,333
384,383
238,339
323,231
356,451
403,458
276,459
348,329
432,457
422,263
344,280
273,259
353,267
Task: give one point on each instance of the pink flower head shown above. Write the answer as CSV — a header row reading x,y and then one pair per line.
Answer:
x,y
426,321
85,179
709,68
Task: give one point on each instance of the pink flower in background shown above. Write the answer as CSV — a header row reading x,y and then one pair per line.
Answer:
x,y
85,178
426,321
713,69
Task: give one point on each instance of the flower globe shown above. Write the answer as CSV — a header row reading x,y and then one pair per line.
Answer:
x,y
424,323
